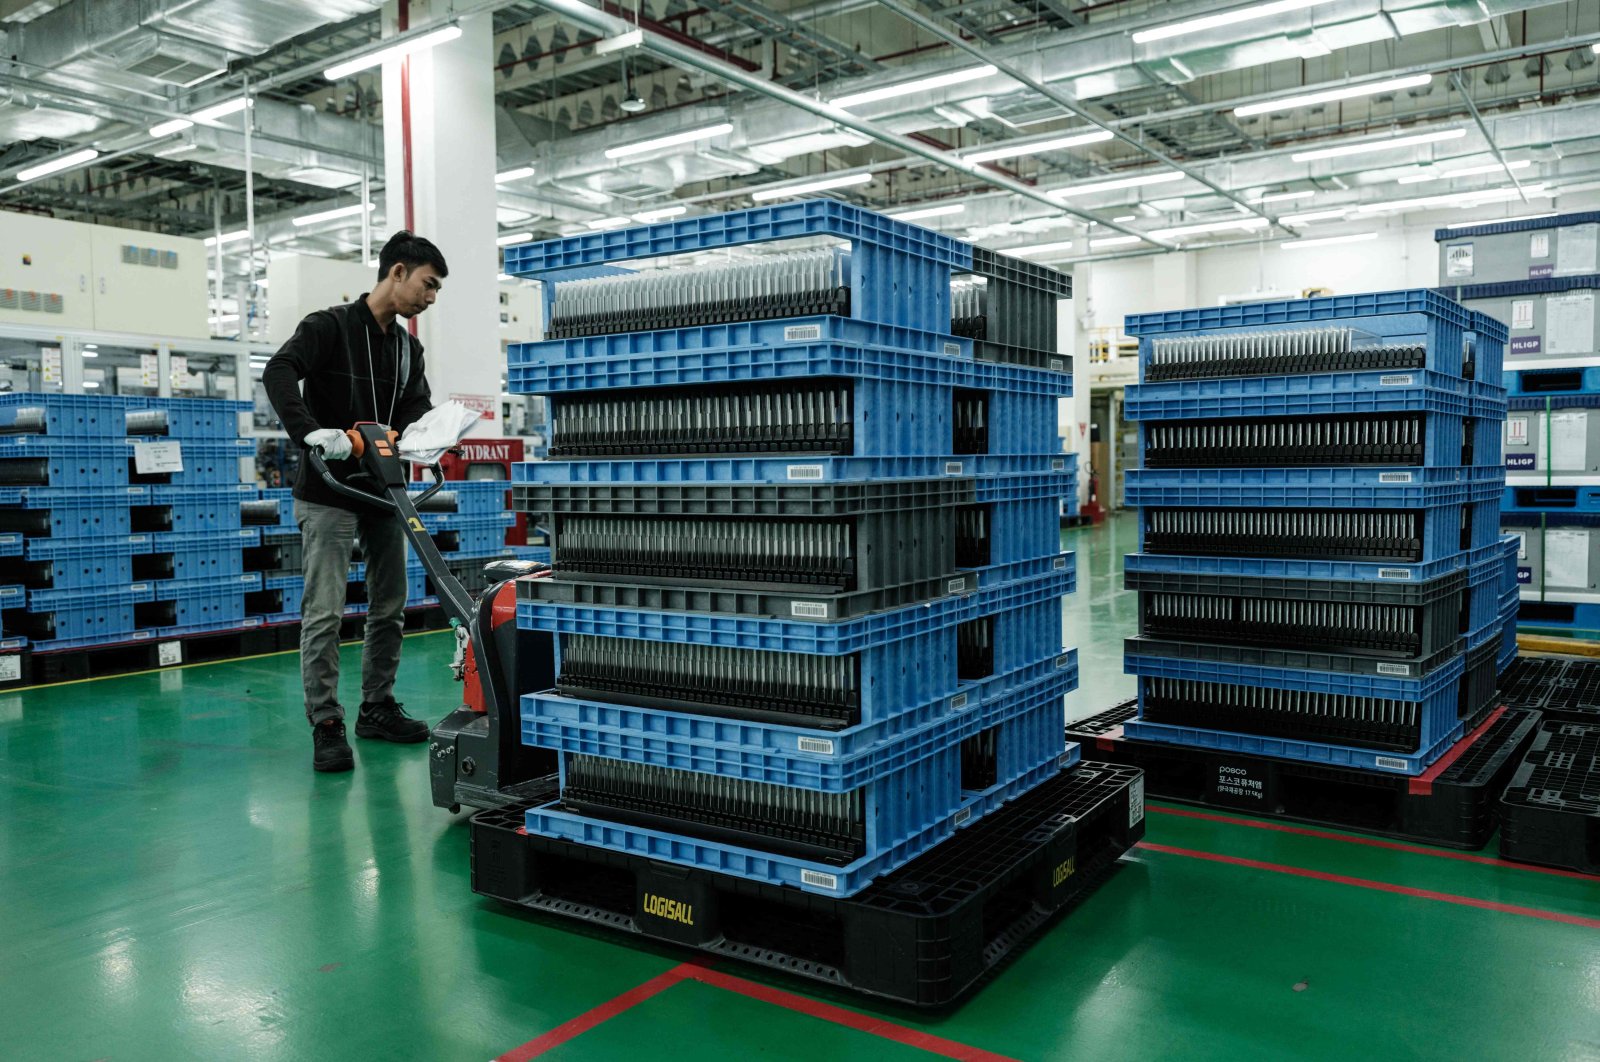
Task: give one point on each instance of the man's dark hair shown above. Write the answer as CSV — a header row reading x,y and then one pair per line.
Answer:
x,y
410,250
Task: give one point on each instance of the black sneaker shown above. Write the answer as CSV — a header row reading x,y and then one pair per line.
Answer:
x,y
330,751
388,720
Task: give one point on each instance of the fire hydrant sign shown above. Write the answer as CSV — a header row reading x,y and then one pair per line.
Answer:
x,y
155,458
484,404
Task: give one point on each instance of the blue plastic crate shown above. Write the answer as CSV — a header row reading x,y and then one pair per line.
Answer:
x,y
1443,441
146,634
1307,395
1498,228
109,463
13,597
1553,384
1551,613
1510,546
1553,500
1438,694
10,544
203,508
78,513
786,469
801,757
206,462
67,417
477,497
208,600
84,616
1485,574
459,521
1418,316
541,554
198,418
898,830
1318,488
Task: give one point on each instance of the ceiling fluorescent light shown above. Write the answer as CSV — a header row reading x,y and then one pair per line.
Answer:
x,y
323,177
1484,195
228,237
849,180
1325,241
1281,197
1037,147
1210,226
631,39
610,223
1226,18
91,383
332,215
908,88
223,109
1039,248
661,214
1500,221
588,195
515,237
1114,241
395,51
510,216
688,136
1125,218
1365,146
1121,182
930,212
1347,92
513,175
177,149
167,128
1315,215
57,164
1469,171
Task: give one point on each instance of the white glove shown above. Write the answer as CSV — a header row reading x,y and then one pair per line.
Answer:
x,y
334,444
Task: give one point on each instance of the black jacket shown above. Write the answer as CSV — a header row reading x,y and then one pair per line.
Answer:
x,y
330,351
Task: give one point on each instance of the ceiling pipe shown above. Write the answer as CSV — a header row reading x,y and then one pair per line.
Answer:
x,y
1488,137
610,26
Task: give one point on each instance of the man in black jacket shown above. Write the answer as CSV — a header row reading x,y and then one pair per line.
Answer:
x,y
358,363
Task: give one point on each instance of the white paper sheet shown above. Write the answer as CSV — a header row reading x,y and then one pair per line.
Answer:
x,y
155,458
1569,323
1458,260
1539,245
1516,431
1569,441
1566,557
1575,249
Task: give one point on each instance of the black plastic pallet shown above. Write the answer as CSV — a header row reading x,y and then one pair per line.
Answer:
x,y
1550,813
923,935
1452,805
1562,690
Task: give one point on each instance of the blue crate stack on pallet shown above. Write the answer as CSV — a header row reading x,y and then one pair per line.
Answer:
x,y
1321,573
804,508
1541,277
114,543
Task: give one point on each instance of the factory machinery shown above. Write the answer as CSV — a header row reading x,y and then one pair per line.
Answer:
x,y
806,602
1325,599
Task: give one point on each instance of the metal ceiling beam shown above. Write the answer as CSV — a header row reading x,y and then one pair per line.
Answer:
x,y
1494,149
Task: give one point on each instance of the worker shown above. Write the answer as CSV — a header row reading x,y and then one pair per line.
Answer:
x,y
357,363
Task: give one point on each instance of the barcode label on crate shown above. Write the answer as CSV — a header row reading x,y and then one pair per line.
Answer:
x,y
139,586
138,538
800,333
805,471
1394,477
818,879
952,468
958,702
953,349
821,746
1064,760
1394,573
1397,380
1061,661
136,490
10,591
955,586
1057,364
1058,465
11,667
252,621
1394,669
1060,562
962,816
1389,763
808,610
1136,801
169,653
140,636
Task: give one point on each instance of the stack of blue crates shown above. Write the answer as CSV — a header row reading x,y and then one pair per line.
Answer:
x,y
805,522
1321,574
467,519
1541,278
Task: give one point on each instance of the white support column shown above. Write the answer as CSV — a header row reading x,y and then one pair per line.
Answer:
x,y
451,116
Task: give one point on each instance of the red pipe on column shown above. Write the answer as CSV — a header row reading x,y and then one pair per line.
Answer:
x,y
403,23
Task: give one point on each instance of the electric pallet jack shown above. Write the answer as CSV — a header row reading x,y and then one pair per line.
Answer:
x,y
475,755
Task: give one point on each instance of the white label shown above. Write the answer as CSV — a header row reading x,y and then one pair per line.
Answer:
x,y
1566,557
136,587
149,371
1539,245
955,586
958,702
50,364
136,490
138,538
1458,260
158,457
1569,441
1064,761
808,610
953,349
1394,669
962,816
1569,323
252,621
1060,464
1058,365
1516,431
952,468
822,746
169,653
1575,249
1394,573
1394,477
1390,763
1522,544
799,333
142,636
10,591
1059,563
1522,313
1136,801
1401,380
818,879
805,471
11,667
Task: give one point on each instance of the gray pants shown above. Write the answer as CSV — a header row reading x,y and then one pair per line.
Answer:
x,y
327,534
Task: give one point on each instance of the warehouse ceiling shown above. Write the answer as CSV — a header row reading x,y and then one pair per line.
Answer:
x,y
1194,125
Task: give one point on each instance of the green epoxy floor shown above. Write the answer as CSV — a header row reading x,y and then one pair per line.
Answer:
x,y
175,883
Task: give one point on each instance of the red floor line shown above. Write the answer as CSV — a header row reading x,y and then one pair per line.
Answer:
x,y
1377,886
696,970
1423,784
1369,842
